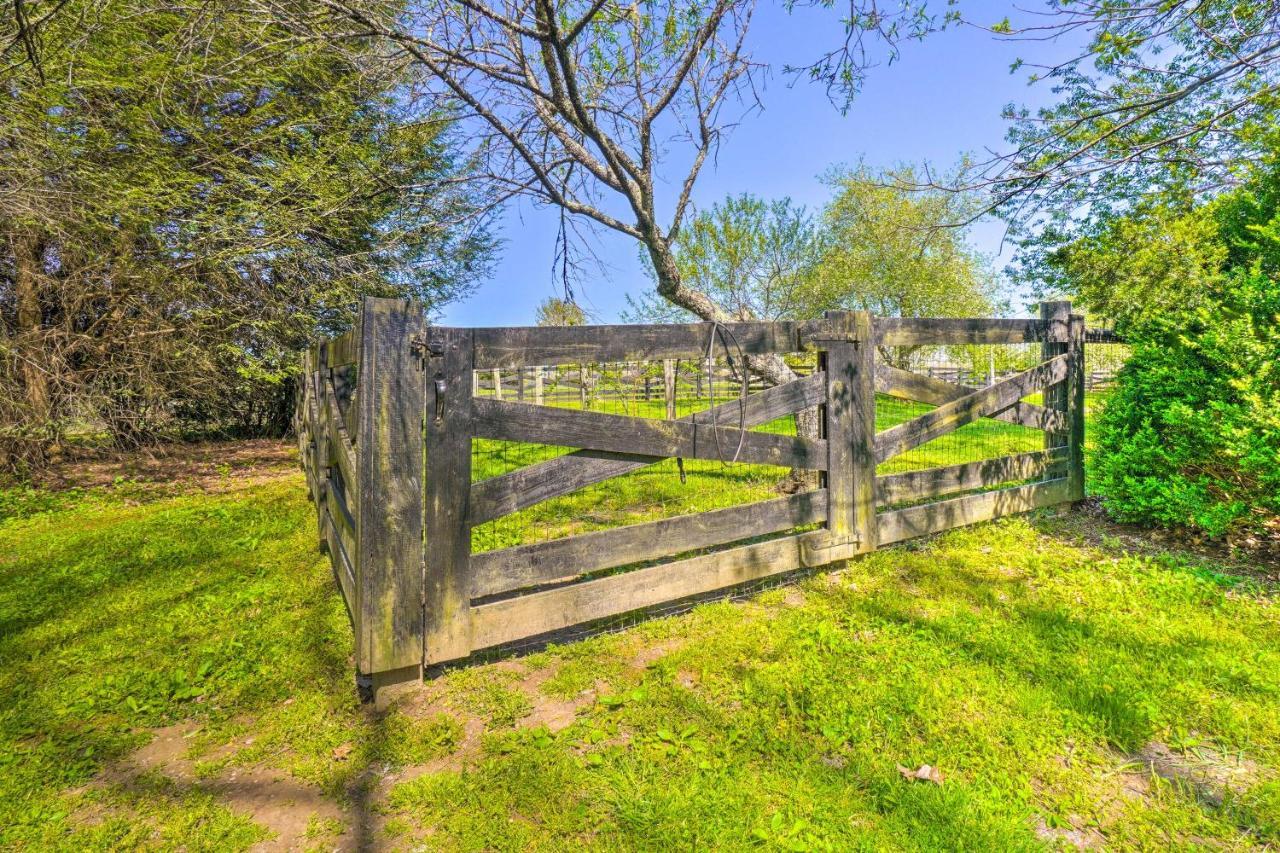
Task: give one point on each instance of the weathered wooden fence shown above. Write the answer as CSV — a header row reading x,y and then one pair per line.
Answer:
x,y
387,414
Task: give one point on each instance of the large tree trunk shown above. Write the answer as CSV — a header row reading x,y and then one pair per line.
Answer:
x,y
772,368
34,409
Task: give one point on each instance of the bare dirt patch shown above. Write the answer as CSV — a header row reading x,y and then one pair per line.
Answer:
x,y
286,806
1210,775
210,466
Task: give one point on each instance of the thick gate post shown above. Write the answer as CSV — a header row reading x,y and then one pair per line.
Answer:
x,y
1056,317
1075,406
389,519
851,430
450,358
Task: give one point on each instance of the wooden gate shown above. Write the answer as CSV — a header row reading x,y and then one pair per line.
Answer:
x,y
388,412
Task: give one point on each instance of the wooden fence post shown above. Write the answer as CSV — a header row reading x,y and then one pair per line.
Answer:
x,y
1075,406
389,522
851,432
1056,317
669,387
450,357
537,385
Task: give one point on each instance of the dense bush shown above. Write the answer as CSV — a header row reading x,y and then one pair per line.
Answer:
x,y
1191,436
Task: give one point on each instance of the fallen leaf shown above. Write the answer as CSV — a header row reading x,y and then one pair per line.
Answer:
x,y
924,774
340,753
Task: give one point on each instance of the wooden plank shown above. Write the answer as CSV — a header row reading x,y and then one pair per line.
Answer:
x,y
1056,317
924,389
929,518
340,563
542,612
1103,336
510,569
389,461
508,493
850,431
641,436
1075,405
342,350
916,331
340,448
932,482
344,537
448,489
957,413
521,345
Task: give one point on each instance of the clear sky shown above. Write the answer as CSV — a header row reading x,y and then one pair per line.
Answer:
x,y
942,98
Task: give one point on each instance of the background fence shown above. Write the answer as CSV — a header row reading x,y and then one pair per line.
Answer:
x,y
476,488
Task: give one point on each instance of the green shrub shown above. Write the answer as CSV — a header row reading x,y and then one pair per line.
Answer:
x,y
1191,436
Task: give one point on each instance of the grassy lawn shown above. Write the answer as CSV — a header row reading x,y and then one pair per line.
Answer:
x,y
177,673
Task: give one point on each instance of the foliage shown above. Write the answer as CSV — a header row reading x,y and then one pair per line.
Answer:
x,y
1192,436
1174,101
878,246
561,312
754,257
176,220
889,250
1023,664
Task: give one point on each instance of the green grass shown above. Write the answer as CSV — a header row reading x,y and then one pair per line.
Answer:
x,y
1025,664
657,491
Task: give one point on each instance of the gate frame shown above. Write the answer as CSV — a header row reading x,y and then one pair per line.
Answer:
x,y
400,445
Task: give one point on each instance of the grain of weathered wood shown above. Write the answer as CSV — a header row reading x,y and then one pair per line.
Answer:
x,y
389,515
343,349
850,430
543,612
448,487
669,387
1075,405
340,450
933,482
912,331
508,493
922,520
495,572
1057,317
925,389
600,431
517,346
340,563
951,416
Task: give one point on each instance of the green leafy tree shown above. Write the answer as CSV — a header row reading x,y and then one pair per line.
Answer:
x,y
561,312
754,257
894,251
187,195
1190,438
1174,99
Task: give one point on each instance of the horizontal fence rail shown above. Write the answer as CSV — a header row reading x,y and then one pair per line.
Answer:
x,y
389,414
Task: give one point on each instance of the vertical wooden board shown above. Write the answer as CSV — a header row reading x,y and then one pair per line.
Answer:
x,y
669,387
497,384
1075,406
389,517
863,433
850,429
447,632
1056,317
537,385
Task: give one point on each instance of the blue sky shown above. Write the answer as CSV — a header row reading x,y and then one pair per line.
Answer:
x,y
942,98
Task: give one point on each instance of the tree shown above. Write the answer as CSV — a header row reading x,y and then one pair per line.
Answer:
x,y
581,104
889,250
752,256
1191,436
175,220
561,312
1174,99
